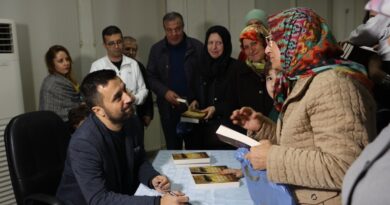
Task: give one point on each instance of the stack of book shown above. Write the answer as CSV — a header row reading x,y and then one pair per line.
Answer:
x,y
209,177
188,159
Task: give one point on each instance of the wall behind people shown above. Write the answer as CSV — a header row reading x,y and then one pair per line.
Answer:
x,y
39,25
341,15
76,24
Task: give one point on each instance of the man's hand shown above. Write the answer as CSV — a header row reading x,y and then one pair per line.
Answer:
x,y
161,183
173,198
171,97
258,155
247,118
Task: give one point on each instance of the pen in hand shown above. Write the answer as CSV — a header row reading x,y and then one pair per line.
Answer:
x,y
171,193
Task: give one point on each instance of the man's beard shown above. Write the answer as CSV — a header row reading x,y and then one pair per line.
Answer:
x,y
121,119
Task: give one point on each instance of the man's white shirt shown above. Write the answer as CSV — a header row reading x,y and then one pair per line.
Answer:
x,y
129,73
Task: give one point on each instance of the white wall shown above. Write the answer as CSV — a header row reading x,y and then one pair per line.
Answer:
x,y
342,16
200,15
40,23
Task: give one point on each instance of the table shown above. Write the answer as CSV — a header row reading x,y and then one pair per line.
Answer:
x,y
181,179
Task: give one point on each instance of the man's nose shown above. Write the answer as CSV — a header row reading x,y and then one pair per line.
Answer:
x,y
128,97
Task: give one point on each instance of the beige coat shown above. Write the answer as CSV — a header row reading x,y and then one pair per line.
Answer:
x,y
327,122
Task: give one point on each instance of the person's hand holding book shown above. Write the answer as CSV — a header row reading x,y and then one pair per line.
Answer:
x,y
258,155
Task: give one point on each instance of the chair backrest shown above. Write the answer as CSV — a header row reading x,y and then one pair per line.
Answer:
x,y
36,144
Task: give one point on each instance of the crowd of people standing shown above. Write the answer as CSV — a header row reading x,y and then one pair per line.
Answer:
x,y
313,112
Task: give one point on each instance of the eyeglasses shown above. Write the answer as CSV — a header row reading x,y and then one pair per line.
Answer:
x,y
113,43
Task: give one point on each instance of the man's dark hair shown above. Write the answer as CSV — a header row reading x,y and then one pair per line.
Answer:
x,y
90,83
110,30
173,16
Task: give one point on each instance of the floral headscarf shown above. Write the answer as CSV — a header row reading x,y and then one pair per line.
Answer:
x,y
307,47
254,33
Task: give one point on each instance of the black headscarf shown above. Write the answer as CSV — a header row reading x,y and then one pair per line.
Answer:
x,y
212,67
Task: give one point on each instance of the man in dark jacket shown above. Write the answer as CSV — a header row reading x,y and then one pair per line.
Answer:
x,y
106,160
170,69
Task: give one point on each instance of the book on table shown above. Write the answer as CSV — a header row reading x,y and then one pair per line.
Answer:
x,y
210,177
214,169
189,158
235,138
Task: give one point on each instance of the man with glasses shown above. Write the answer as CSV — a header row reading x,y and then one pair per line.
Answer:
x,y
171,67
126,68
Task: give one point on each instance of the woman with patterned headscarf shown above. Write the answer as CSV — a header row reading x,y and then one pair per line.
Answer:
x,y
251,82
326,110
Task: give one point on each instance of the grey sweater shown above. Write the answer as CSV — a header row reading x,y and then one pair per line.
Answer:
x,y
370,174
58,94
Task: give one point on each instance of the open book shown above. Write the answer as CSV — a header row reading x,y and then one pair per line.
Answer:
x,y
235,138
200,158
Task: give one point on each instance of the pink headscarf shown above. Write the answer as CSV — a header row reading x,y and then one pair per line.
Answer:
x,y
380,6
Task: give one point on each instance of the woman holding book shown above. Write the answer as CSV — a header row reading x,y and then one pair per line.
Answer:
x,y
326,110
217,92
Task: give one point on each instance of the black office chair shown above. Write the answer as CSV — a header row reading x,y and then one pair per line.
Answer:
x,y
36,144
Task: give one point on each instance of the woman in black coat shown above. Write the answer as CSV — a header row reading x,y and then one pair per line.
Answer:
x,y
217,94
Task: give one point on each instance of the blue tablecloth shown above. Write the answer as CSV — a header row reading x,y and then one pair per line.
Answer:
x,y
181,179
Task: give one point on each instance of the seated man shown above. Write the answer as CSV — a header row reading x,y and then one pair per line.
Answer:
x,y
105,160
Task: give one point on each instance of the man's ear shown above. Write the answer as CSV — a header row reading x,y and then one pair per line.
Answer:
x,y
99,111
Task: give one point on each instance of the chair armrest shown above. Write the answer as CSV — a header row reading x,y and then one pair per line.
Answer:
x,y
42,198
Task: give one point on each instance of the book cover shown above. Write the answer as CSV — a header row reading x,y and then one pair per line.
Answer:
x,y
207,169
359,54
191,158
235,138
192,116
208,181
